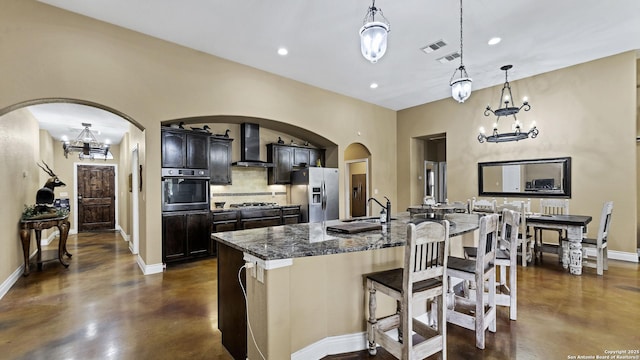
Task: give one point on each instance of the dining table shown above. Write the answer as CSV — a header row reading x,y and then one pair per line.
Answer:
x,y
574,225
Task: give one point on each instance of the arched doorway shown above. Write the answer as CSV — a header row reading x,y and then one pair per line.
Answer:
x,y
357,160
48,120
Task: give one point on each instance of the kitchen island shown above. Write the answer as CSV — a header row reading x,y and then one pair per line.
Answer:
x,y
305,289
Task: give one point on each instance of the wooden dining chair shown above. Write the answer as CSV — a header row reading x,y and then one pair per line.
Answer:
x,y
525,239
550,207
600,263
506,258
422,279
477,315
483,205
518,203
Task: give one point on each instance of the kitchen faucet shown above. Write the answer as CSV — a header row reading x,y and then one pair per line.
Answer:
x,y
387,208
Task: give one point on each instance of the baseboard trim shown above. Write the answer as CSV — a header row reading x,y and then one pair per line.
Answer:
x,y
8,283
49,239
332,345
123,234
149,269
615,255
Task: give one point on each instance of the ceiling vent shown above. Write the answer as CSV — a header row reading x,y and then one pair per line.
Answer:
x,y
449,58
433,47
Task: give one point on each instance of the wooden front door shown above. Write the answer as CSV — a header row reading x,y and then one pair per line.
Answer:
x,y
96,198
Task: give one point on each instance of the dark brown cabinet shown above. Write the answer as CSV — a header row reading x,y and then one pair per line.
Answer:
x,y
288,158
282,158
226,220
184,149
257,218
232,316
185,235
301,157
220,161
290,214
315,155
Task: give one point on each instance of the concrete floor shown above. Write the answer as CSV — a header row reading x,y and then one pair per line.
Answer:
x,y
102,307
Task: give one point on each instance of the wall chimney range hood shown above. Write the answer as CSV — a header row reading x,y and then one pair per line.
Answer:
x,y
250,147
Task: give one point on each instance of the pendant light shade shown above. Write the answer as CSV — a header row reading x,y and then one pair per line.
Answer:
x,y
373,35
461,86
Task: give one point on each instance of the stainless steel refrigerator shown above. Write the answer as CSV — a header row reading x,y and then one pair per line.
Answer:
x,y
316,190
435,184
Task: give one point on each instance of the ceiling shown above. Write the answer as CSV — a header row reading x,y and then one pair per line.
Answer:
x,y
65,120
324,50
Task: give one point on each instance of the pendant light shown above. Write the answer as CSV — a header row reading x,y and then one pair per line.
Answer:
x,y
460,87
373,34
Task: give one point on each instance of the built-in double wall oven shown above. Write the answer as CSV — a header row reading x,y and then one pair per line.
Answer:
x,y
185,189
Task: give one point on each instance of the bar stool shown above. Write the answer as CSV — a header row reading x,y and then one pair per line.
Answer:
x,y
477,315
506,257
422,279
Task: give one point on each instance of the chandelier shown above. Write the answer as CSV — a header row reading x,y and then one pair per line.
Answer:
x,y
87,146
460,87
373,34
508,109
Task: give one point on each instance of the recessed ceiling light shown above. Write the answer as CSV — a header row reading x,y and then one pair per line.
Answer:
x,y
282,51
373,85
494,40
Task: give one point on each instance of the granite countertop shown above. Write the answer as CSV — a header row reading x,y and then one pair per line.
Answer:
x,y
227,209
312,239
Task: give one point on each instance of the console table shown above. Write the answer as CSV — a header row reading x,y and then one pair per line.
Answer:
x,y
61,222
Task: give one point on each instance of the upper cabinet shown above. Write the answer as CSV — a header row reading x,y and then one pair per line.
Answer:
x,y
220,160
282,158
197,151
289,158
184,149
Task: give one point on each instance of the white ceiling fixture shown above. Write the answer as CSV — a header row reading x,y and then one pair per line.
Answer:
x,y
544,35
373,34
494,41
283,51
461,86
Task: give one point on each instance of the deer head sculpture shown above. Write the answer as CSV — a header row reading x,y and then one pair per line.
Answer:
x,y
45,195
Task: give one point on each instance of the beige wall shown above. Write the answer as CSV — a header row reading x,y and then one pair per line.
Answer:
x,y
19,152
587,112
152,81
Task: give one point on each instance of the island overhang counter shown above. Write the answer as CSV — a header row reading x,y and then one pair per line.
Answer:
x,y
305,292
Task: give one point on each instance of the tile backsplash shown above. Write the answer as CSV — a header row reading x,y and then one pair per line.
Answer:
x,y
249,185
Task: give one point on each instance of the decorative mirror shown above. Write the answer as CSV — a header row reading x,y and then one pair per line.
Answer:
x,y
526,178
